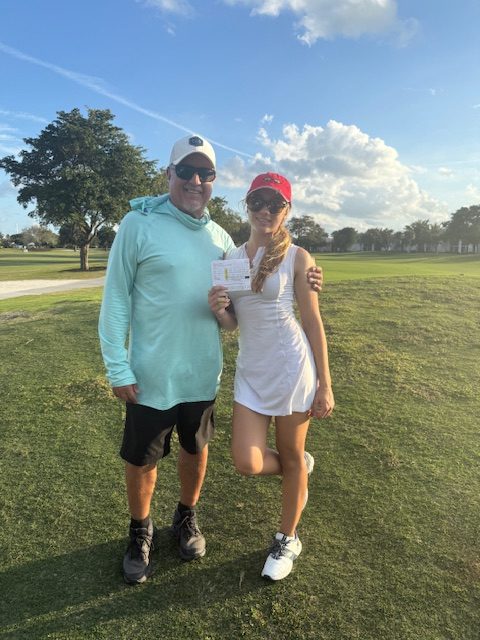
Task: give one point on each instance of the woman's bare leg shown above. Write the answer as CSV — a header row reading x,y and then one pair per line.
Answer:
x,y
249,443
291,432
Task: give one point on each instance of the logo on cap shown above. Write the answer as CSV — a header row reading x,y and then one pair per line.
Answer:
x,y
270,179
195,141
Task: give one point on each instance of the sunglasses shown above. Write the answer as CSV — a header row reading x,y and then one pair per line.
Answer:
x,y
186,172
275,207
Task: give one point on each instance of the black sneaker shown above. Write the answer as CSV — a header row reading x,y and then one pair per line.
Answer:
x,y
137,561
191,543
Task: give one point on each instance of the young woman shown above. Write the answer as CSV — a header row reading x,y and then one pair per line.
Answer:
x,y
282,367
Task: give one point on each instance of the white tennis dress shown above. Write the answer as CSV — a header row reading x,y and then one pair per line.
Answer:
x,y
276,372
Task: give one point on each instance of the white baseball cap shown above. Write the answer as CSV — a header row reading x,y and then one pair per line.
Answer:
x,y
192,144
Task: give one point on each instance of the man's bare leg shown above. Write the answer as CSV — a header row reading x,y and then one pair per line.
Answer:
x,y
140,487
191,472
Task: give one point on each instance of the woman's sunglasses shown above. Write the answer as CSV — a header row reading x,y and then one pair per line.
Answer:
x,y
186,172
275,207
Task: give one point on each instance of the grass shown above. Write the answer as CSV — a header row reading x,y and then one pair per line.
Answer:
x,y
360,265
391,531
57,263
61,263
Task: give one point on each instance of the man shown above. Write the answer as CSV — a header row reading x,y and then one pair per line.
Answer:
x,y
155,294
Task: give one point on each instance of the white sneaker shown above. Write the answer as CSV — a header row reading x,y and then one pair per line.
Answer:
x,y
310,462
282,554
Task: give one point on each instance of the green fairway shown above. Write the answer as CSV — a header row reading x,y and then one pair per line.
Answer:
x,y
62,263
57,263
360,265
391,530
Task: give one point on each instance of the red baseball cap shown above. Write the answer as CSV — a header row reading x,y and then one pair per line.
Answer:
x,y
273,181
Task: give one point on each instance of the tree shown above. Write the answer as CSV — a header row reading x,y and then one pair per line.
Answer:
x,y
233,224
106,236
80,172
17,239
464,226
436,235
40,236
307,233
160,183
420,230
408,237
376,239
386,239
5,241
398,241
343,239
70,235
371,239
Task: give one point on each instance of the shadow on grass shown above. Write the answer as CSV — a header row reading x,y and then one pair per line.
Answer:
x,y
78,589
90,270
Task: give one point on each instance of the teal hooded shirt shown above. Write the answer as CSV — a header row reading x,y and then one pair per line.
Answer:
x,y
156,328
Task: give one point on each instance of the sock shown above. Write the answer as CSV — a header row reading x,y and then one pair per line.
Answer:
x,y
288,537
139,524
182,507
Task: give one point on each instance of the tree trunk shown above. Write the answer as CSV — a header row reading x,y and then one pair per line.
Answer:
x,y
84,257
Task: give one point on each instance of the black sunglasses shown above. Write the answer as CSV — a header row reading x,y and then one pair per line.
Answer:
x,y
275,207
186,172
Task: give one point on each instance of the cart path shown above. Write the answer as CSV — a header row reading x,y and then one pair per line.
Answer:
x,y
16,288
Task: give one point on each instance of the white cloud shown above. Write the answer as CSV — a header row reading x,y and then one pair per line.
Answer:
x,y
473,193
404,31
325,19
341,176
9,144
318,19
7,189
180,7
418,169
267,119
23,115
445,172
7,128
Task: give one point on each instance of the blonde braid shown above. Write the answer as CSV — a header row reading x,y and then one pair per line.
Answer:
x,y
275,252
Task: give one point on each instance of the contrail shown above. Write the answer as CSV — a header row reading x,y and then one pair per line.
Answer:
x,y
95,84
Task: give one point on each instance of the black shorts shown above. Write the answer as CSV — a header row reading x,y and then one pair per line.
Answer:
x,y
147,433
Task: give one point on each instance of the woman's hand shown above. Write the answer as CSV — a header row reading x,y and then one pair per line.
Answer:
x,y
218,300
323,403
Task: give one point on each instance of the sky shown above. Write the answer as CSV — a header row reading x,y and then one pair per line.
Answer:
x,y
371,108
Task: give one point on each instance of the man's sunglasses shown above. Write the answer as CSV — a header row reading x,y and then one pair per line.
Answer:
x,y
275,207
186,172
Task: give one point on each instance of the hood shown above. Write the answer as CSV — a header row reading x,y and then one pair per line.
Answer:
x,y
163,205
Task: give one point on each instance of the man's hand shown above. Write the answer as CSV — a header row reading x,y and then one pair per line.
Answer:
x,y
315,278
128,393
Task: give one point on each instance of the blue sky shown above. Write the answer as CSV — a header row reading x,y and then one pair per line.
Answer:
x,y
370,107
